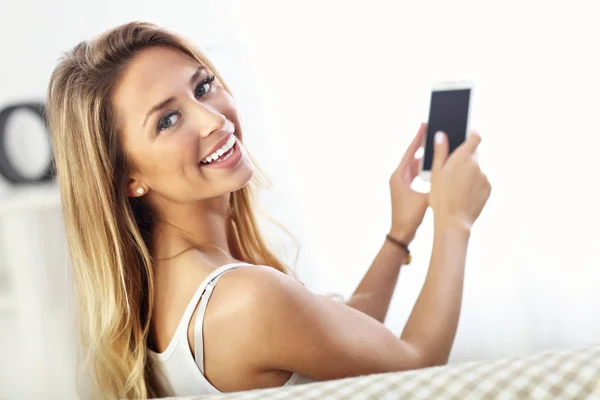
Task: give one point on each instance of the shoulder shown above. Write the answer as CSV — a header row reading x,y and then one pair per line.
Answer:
x,y
251,290
271,314
268,321
258,303
240,323
259,279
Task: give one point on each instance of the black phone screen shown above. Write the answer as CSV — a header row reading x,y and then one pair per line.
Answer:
x,y
448,112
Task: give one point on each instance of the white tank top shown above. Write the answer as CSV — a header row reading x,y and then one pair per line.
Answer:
x,y
177,372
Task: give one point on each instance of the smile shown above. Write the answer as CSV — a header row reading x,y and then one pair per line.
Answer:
x,y
222,154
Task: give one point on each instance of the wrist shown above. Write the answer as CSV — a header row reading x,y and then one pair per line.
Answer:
x,y
398,247
401,235
452,226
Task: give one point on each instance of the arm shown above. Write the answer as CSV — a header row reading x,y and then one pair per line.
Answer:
x,y
322,339
374,293
278,325
433,322
459,191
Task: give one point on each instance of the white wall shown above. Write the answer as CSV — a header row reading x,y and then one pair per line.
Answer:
x,y
332,93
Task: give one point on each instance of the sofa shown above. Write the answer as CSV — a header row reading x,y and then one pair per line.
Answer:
x,y
552,374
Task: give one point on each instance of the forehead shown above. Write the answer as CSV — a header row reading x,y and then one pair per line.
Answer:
x,y
153,75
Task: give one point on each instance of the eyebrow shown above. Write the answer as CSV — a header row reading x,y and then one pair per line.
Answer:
x,y
163,104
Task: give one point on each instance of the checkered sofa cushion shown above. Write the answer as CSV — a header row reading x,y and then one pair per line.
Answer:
x,y
558,374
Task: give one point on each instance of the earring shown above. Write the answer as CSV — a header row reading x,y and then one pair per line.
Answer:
x,y
140,191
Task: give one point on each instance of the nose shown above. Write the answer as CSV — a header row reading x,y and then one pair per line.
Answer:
x,y
208,119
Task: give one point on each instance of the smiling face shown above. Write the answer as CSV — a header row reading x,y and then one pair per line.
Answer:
x,y
180,129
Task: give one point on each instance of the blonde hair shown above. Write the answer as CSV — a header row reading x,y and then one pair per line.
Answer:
x,y
107,232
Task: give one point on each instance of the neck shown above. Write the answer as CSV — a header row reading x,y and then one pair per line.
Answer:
x,y
181,226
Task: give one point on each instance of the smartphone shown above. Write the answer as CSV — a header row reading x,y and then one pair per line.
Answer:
x,y
449,111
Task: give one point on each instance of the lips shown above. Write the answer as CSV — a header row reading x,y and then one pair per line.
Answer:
x,y
228,160
220,150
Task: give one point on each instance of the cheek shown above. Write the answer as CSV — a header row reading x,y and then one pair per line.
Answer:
x,y
174,154
181,150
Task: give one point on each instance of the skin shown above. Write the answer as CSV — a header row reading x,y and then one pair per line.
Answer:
x,y
262,325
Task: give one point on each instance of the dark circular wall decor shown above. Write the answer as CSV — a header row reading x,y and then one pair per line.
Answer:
x,y
7,169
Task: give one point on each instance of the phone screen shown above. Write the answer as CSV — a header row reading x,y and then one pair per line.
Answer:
x,y
448,112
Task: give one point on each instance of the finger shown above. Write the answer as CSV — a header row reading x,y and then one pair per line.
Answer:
x,y
415,145
415,166
471,144
412,171
440,151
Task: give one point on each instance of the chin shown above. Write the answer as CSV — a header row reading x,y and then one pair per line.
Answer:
x,y
244,171
244,177
237,180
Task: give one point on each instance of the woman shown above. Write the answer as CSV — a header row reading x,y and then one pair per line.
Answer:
x,y
154,182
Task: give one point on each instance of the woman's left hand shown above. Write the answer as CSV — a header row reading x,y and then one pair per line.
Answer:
x,y
408,206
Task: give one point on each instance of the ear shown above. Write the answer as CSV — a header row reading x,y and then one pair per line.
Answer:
x,y
136,188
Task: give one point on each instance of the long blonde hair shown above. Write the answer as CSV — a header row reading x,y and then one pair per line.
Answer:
x,y
107,232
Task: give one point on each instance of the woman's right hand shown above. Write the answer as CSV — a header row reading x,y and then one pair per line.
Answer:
x,y
459,189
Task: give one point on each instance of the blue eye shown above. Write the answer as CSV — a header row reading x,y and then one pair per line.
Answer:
x,y
168,121
172,117
204,87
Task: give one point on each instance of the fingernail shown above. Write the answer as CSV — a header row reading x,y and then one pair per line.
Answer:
x,y
439,137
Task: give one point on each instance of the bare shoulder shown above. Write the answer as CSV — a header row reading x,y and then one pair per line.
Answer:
x,y
252,297
244,306
253,284
264,298
274,323
260,325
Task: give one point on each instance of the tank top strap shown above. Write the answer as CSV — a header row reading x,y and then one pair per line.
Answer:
x,y
202,295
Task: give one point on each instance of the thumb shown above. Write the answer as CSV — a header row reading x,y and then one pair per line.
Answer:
x,y
440,151
473,142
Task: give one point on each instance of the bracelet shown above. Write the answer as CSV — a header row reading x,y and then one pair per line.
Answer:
x,y
402,246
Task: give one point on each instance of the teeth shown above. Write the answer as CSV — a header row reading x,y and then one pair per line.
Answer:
x,y
224,158
224,149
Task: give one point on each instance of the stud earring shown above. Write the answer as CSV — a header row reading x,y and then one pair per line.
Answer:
x,y
140,190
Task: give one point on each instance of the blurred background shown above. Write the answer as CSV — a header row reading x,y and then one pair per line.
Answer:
x,y
331,93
